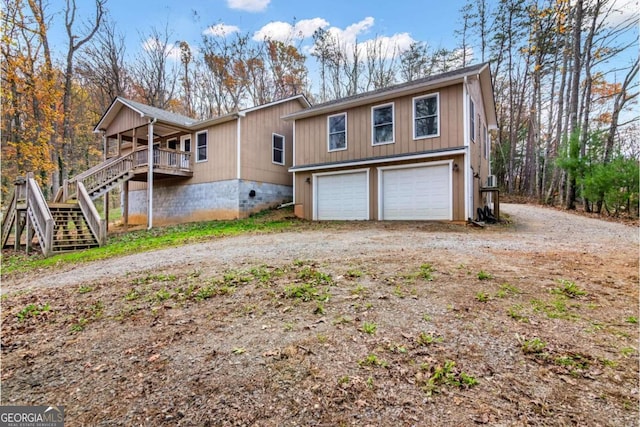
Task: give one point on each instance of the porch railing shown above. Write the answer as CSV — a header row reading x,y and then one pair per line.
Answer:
x,y
164,159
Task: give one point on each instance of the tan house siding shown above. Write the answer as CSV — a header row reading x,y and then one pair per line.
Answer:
x,y
311,133
477,159
221,163
125,120
257,131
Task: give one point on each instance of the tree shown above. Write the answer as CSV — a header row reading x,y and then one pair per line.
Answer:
x,y
75,42
30,94
153,77
101,67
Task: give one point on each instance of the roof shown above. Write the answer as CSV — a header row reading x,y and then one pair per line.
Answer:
x,y
414,86
179,120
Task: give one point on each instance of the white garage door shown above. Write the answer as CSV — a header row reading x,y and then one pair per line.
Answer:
x,y
421,192
342,196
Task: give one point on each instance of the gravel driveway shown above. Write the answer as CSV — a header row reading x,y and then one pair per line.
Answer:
x,y
534,229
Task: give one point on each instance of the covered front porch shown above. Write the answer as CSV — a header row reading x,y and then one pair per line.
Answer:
x,y
143,144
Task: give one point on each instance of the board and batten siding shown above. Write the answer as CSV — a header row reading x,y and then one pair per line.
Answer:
x,y
311,133
304,189
125,120
257,131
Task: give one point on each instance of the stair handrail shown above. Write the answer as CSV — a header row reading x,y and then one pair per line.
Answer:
x,y
122,165
8,217
97,225
40,215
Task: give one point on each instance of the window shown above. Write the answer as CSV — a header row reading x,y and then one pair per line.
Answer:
x,y
472,124
201,146
277,155
337,132
382,119
425,116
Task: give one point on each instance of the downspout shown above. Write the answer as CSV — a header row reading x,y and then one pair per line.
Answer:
x,y
238,147
150,173
465,128
293,160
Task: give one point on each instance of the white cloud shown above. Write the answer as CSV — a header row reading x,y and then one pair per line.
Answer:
x,y
623,11
388,47
283,31
171,50
221,30
249,5
385,46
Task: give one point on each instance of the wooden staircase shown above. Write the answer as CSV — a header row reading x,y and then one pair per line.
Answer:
x,y
71,221
71,230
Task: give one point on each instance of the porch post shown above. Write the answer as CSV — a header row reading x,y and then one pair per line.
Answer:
x,y
150,174
119,144
106,195
125,204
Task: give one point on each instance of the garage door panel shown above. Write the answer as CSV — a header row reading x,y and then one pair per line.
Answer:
x,y
342,196
417,193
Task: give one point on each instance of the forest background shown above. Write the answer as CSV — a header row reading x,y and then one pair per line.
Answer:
x,y
565,77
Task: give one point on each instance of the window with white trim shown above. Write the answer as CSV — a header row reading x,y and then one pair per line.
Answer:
x,y
337,131
201,146
382,121
426,111
472,123
277,149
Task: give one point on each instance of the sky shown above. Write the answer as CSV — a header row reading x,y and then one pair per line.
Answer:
x,y
398,22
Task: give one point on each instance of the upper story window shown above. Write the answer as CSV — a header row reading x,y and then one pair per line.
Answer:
x,y
426,123
201,146
382,120
472,122
337,125
277,149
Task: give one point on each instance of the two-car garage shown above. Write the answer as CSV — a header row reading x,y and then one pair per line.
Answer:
x,y
420,191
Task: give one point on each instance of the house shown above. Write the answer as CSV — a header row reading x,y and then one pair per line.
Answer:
x,y
226,167
413,151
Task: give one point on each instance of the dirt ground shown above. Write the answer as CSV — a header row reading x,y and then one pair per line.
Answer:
x,y
367,324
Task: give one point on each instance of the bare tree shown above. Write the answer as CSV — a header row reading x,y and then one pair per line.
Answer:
x,y
154,74
101,66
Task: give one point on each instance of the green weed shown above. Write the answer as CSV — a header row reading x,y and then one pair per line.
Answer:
x,y
369,328
446,374
568,289
533,346
483,275
373,361
354,274
506,290
425,339
515,312
32,310
631,319
84,289
482,296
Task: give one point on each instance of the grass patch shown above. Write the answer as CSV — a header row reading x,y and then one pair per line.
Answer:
x,y
483,275
568,289
32,310
149,240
